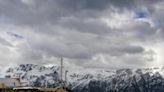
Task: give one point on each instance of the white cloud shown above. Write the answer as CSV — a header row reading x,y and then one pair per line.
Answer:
x,y
86,33
118,19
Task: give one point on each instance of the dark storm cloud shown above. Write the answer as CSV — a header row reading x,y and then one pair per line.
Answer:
x,y
84,4
82,46
123,50
92,26
143,31
50,11
103,4
132,49
41,12
74,29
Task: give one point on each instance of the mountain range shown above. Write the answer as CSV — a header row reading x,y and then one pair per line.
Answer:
x,y
91,80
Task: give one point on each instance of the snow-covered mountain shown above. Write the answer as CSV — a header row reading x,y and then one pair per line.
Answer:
x,y
35,75
92,80
122,80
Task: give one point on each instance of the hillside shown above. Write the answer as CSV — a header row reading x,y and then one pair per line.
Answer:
x,y
92,80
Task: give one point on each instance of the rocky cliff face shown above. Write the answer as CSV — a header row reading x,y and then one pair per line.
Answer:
x,y
91,80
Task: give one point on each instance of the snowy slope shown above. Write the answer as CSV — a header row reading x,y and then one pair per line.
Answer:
x,y
92,80
34,74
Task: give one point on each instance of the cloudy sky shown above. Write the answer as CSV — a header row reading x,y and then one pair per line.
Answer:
x,y
87,33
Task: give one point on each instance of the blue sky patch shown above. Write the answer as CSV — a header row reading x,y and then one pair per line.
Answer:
x,y
141,14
